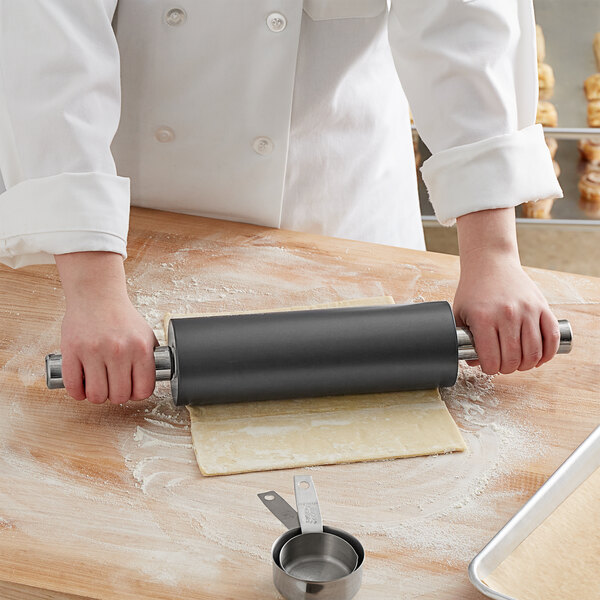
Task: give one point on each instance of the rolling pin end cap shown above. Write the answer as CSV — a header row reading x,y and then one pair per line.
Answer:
x,y
54,371
566,337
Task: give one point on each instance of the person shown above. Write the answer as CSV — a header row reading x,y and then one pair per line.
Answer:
x,y
284,113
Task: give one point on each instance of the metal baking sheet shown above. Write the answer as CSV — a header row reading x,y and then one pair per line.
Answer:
x,y
565,480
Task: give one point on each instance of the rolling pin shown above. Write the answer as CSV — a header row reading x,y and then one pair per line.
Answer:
x,y
310,353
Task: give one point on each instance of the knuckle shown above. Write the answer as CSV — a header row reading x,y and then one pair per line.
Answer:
x,y
555,336
533,356
140,346
508,311
118,348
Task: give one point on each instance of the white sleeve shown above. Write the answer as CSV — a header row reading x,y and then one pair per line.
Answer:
x,y
60,103
468,68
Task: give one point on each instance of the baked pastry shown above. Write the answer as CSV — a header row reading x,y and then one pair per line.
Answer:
x,y
589,167
552,146
593,113
546,114
538,209
590,150
590,209
589,187
540,43
596,45
592,87
556,168
545,77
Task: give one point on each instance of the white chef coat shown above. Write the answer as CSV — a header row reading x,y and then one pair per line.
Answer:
x,y
284,113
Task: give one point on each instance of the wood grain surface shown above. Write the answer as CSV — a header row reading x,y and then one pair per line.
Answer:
x,y
107,502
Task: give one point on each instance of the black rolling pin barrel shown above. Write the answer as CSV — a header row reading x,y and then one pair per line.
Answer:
x,y
308,353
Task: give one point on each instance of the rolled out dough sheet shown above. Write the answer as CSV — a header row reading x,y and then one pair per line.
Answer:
x,y
559,559
281,434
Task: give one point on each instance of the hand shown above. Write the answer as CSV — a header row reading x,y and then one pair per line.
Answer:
x,y
512,325
107,346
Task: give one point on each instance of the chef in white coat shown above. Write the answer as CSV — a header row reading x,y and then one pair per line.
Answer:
x,y
284,113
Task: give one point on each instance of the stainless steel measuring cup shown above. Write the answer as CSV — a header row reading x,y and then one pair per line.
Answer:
x,y
312,561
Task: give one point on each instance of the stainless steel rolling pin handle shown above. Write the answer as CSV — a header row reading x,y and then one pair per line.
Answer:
x,y
163,361
466,349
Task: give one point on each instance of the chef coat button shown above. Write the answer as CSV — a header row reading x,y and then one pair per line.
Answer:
x,y
165,134
276,22
175,16
263,145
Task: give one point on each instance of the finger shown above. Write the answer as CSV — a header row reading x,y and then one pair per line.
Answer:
x,y
119,379
550,336
143,376
72,376
96,382
472,363
488,349
531,344
510,347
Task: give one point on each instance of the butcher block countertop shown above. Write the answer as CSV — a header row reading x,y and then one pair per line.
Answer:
x,y
107,502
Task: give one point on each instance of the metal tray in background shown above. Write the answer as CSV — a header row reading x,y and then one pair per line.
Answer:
x,y
565,480
569,27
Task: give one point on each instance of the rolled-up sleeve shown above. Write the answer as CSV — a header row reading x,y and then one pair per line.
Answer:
x,y
60,103
468,69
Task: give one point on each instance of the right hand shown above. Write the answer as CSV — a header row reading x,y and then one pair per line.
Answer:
x,y
107,346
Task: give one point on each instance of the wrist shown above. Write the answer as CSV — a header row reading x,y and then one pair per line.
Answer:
x,y
92,275
487,235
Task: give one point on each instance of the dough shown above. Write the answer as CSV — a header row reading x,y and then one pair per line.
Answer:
x,y
559,559
280,434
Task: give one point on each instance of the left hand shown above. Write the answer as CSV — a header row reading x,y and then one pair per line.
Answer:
x,y
512,325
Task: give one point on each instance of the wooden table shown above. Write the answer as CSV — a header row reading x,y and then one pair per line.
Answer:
x,y
107,501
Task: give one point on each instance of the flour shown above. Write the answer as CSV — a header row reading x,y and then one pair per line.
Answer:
x,y
451,493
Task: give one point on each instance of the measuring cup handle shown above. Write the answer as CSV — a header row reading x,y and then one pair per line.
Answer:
x,y
280,508
309,513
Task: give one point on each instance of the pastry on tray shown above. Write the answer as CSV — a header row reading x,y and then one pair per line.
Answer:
x,y
592,87
590,150
552,146
545,77
546,114
590,209
540,43
538,209
593,113
556,168
589,167
589,186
